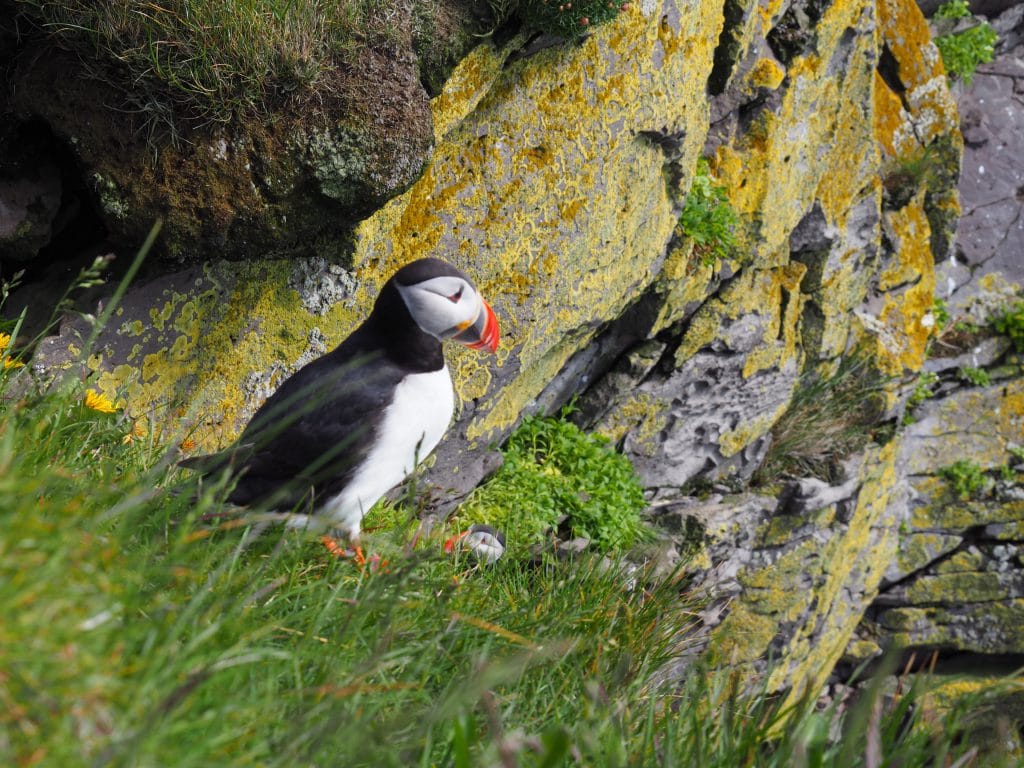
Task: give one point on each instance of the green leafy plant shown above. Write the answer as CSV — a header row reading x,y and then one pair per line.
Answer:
x,y
977,376
1010,323
829,418
940,312
553,470
568,18
923,389
963,52
708,218
966,479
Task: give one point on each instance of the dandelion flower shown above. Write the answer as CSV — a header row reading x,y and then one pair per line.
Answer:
x,y
5,339
99,402
188,444
11,363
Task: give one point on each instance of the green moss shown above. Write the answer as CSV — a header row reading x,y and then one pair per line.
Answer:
x,y
553,469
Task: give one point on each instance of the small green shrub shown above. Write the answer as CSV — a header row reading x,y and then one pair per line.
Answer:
x,y
966,479
940,311
923,388
1010,322
551,469
568,19
708,218
977,376
963,52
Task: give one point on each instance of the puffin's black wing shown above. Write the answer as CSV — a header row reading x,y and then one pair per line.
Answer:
x,y
313,432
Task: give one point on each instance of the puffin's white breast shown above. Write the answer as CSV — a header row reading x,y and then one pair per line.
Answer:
x,y
410,429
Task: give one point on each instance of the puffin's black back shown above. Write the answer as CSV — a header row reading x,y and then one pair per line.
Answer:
x,y
306,440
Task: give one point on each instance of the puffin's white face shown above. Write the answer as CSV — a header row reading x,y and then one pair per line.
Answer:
x,y
449,307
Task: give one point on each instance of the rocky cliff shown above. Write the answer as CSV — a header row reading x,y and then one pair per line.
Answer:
x,y
557,178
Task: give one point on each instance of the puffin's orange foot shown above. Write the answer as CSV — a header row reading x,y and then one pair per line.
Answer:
x,y
373,562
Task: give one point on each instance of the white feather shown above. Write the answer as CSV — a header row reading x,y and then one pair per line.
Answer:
x,y
411,428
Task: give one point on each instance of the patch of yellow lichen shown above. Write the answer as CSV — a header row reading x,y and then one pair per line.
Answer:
x,y
642,416
930,110
732,441
683,280
543,191
760,292
910,234
898,337
200,348
807,587
766,73
816,144
468,83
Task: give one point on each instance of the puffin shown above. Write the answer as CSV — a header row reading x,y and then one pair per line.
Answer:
x,y
347,427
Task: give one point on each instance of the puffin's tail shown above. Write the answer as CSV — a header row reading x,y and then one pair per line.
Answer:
x,y
215,462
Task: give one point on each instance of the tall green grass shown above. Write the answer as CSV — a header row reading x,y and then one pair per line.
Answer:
x,y
211,59
142,626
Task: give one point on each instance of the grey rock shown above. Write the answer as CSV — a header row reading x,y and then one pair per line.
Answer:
x,y
29,203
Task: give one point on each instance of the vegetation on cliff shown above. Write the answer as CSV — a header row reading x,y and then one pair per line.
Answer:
x,y
211,60
146,623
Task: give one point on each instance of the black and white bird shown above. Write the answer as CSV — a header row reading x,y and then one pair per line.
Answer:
x,y
349,426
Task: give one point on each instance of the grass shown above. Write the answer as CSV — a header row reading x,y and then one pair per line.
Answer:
x,y
829,418
144,627
209,60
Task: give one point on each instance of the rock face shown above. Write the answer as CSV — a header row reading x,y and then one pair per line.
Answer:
x,y
557,180
291,182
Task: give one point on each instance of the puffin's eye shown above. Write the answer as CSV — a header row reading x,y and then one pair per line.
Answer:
x,y
454,298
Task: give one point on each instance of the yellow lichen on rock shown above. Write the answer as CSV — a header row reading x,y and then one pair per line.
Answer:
x,y
820,607
545,193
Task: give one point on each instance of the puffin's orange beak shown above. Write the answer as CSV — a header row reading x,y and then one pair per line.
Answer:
x,y
482,334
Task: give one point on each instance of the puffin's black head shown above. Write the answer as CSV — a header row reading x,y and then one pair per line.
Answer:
x,y
444,303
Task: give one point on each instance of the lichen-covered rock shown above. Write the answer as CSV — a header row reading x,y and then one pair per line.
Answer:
x,y
957,581
292,181
557,180
539,186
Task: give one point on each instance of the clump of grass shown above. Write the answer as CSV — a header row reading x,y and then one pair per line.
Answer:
x,y
963,52
966,479
829,418
554,470
208,59
708,218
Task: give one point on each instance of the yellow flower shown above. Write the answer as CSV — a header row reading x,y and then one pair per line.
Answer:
x,y
98,401
9,363
5,339
188,444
